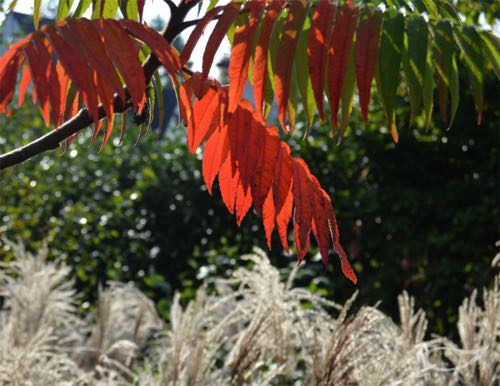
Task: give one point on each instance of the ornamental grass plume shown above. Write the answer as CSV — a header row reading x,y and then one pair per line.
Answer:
x,y
252,329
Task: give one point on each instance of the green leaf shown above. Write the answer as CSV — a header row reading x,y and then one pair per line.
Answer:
x,y
105,8
292,102
63,9
36,13
454,89
12,5
491,48
447,70
446,9
470,43
212,4
161,101
389,64
428,90
431,7
130,9
414,59
347,93
151,107
303,77
82,7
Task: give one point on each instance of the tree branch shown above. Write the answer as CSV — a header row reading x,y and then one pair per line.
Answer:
x,y
82,120
190,23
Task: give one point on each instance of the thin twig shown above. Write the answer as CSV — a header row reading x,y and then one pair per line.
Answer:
x,y
190,23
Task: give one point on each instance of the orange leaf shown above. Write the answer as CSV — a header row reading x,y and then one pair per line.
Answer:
x,y
196,34
344,264
64,88
261,52
282,192
229,13
243,201
107,100
268,216
206,118
216,150
317,50
246,136
124,54
240,53
45,53
228,183
262,180
366,58
303,198
12,52
23,84
77,70
8,78
338,55
185,104
159,46
283,217
286,52
321,219
87,36
38,67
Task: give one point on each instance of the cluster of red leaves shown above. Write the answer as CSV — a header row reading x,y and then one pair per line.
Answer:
x,y
255,168
329,44
93,61
93,55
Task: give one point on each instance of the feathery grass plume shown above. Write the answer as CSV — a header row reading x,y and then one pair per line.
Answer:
x,y
477,362
256,329
38,325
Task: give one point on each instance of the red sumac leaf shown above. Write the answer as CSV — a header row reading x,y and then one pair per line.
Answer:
x,y
185,95
321,224
196,34
23,84
261,52
158,45
206,117
77,70
243,201
268,216
229,13
285,55
124,54
240,53
228,183
88,38
368,38
317,50
215,153
8,78
38,65
263,178
338,55
303,197
282,192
